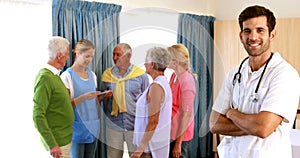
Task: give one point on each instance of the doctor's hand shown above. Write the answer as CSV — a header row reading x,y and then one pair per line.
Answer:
x,y
229,113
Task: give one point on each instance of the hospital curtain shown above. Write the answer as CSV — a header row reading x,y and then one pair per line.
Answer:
x,y
95,21
196,33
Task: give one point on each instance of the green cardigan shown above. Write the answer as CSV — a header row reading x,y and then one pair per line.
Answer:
x,y
52,113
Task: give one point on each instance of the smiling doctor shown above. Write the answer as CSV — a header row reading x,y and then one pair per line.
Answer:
x,y
257,103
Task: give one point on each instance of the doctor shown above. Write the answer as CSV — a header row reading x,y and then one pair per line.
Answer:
x,y
257,103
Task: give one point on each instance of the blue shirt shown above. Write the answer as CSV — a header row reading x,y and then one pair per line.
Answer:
x,y
133,88
87,123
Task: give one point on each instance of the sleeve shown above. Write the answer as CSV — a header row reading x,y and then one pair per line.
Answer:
x,y
95,79
282,97
188,92
222,102
67,80
41,99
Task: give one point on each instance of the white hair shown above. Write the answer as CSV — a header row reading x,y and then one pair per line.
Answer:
x,y
125,48
57,44
160,56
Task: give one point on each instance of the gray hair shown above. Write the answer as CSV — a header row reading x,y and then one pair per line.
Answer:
x,y
160,56
125,48
57,44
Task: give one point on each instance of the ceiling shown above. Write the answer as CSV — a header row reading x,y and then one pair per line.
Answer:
x,y
220,9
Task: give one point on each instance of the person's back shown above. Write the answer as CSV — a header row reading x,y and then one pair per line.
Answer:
x,y
161,137
154,109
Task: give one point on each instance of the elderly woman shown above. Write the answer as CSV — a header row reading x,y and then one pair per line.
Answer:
x,y
183,95
154,109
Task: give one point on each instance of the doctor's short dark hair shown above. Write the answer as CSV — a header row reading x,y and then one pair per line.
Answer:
x,y
256,11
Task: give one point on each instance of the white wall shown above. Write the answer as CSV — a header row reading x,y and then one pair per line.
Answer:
x,y
144,28
24,31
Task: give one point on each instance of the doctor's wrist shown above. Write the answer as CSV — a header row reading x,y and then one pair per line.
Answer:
x,y
229,113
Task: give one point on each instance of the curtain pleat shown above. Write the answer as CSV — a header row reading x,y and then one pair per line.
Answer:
x,y
196,33
97,22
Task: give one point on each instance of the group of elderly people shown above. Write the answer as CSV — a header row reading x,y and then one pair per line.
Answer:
x,y
154,119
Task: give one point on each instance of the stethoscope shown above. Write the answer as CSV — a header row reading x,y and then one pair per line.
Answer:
x,y
237,78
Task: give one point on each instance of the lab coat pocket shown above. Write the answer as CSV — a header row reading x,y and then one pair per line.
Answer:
x,y
225,148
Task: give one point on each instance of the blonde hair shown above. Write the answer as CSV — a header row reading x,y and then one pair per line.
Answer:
x,y
180,53
83,45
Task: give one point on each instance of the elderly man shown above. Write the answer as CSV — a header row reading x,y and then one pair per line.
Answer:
x,y
127,81
52,112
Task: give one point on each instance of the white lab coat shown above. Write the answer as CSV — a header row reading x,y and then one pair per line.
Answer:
x,y
278,93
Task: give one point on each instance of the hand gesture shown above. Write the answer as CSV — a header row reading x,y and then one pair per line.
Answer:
x,y
91,95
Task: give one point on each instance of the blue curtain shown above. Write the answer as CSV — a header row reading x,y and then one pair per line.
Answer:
x,y
97,22
197,34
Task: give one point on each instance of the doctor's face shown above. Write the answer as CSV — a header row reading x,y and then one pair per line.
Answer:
x,y
255,36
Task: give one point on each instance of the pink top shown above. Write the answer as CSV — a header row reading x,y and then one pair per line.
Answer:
x,y
183,95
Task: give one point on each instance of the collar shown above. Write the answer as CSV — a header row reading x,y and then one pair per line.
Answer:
x,y
54,70
115,70
275,59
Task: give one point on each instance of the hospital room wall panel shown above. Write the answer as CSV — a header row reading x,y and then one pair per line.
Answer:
x,y
229,51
